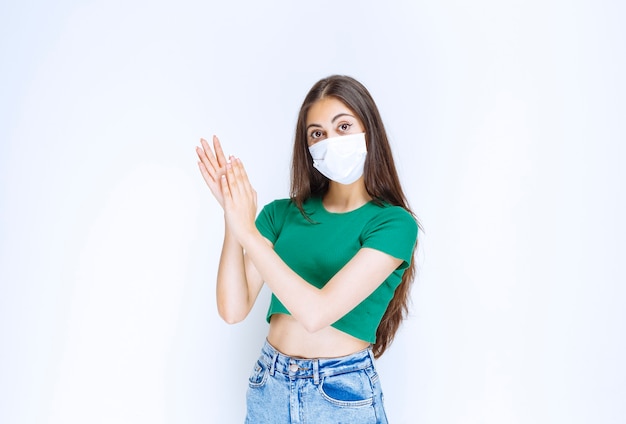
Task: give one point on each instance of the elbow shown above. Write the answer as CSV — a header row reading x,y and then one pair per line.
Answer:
x,y
315,317
231,319
230,316
314,324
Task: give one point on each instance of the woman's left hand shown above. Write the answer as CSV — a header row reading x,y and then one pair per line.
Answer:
x,y
239,200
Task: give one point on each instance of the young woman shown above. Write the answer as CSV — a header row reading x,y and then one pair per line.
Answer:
x,y
337,256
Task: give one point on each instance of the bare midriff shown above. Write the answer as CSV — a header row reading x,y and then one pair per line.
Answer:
x,y
291,338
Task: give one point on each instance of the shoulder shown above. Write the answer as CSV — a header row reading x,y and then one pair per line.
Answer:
x,y
392,230
279,210
278,205
279,202
385,214
288,207
272,217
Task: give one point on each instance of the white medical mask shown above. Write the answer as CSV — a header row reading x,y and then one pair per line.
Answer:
x,y
340,159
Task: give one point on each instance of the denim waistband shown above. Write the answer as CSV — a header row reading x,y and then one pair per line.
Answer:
x,y
314,368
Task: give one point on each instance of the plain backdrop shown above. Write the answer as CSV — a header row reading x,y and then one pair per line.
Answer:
x,y
507,123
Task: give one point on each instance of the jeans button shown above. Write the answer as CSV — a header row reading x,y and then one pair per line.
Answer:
x,y
293,367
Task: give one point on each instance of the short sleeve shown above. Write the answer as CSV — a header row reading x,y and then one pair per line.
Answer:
x,y
271,219
392,231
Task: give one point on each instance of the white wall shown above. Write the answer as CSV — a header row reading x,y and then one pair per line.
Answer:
x,y
507,121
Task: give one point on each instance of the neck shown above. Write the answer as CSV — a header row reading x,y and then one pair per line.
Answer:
x,y
345,198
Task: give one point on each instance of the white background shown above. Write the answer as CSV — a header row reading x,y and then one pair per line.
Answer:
x,y
507,123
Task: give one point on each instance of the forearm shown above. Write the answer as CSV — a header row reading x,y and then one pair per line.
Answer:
x,y
232,290
318,308
305,302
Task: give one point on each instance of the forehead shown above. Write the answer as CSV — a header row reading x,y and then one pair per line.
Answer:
x,y
326,109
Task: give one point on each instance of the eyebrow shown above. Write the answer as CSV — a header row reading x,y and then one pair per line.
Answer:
x,y
332,121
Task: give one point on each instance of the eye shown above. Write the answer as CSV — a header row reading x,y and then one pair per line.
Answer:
x,y
345,126
315,134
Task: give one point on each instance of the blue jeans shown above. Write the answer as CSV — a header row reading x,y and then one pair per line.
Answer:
x,y
342,390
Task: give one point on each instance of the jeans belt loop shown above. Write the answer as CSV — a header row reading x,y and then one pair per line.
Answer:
x,y
316,371
370,351
273,364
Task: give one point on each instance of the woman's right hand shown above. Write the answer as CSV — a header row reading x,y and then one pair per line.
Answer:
x,y
212,166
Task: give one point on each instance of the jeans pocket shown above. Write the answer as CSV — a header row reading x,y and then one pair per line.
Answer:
x,y
352,389
259,374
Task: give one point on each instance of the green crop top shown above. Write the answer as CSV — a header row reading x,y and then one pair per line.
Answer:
x,y
317,250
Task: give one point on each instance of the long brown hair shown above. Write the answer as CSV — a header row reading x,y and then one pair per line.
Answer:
x,y
380,176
